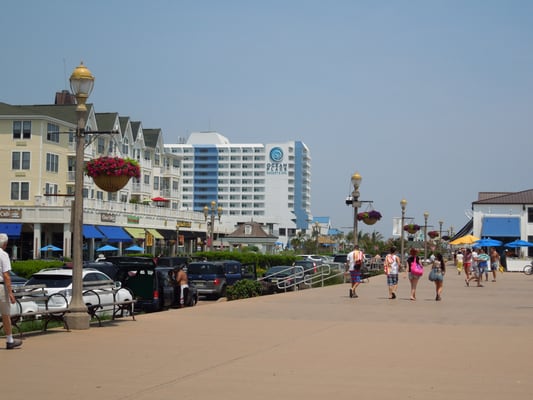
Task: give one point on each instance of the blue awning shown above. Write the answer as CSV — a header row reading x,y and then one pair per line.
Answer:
x,y
11,230
115,233
500,227
90,232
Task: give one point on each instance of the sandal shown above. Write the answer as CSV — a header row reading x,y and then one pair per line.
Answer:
x,y
467,282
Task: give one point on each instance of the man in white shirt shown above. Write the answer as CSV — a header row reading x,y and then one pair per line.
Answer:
x,y
355,261
6,294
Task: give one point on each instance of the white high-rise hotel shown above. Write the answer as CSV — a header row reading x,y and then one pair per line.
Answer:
x,y
266,183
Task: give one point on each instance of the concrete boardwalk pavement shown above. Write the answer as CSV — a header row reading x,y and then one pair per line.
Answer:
x,y
313,344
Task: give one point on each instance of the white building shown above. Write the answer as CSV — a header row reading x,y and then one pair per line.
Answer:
x,y
265,183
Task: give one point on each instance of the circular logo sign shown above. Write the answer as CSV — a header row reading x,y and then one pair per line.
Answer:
x,y
276,154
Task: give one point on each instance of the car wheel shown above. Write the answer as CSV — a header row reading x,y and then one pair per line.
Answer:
x,y
223,292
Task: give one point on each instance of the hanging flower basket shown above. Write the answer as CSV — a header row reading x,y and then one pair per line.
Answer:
x,y
411,228
369,217
112,173
111,183
433,234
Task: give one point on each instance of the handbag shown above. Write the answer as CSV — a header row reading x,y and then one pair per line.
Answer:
x,y
416,268
432,275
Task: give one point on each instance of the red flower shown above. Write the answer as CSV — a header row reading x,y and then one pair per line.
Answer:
x,y
113,166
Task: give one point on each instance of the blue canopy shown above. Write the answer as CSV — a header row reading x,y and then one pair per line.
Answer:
x,y
11,230
50,247
519,243
107,248
134,248
487,242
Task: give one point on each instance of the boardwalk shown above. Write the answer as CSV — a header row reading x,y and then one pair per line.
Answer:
x,y
314,344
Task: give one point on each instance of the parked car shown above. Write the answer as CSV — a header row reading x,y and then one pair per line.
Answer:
x,y
17,280
59,280
235,271
313,257
310,267
151,285
209,278
172,261
282,278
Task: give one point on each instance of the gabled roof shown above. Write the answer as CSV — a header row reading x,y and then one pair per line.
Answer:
x,y
257,231
523,197
66,112
151,137
106,121
135,128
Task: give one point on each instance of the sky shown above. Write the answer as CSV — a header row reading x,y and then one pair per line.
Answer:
x,y
430,101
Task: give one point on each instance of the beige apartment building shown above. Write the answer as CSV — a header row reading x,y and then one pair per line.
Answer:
x,y
37,159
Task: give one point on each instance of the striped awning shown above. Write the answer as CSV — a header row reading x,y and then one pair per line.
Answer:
x,y
136,233
155,233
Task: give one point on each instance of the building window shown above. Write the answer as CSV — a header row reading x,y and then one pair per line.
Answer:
x,y
20,160
21,129
101,145
52,133
52,162
20,191
146,179
51,188
530,215
156,183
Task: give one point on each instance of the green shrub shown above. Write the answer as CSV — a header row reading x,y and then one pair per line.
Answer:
x,y
243,289
27,268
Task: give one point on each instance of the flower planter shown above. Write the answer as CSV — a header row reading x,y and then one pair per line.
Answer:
x,y
111,183
411,228
370,221
369,217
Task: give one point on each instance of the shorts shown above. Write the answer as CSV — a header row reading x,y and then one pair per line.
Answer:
x,y
5,304
494,266
392,279
413,276
355,275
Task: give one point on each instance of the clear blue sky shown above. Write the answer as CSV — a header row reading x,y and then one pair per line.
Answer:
x,y
431,101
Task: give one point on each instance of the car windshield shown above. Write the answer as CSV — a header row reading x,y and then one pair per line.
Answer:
x,y
203,269
51,281
279,270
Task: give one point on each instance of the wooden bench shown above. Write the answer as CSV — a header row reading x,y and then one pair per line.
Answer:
x,y
92,294
32,303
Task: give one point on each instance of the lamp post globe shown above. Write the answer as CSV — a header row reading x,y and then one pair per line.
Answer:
x,y
81,84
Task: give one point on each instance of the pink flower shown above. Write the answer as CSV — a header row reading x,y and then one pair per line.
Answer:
x,y
113,166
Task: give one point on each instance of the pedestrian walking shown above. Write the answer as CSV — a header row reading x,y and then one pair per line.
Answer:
x,y
355,262
468,265
459,258
438,269
392,267
413,279
494,263
6,294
